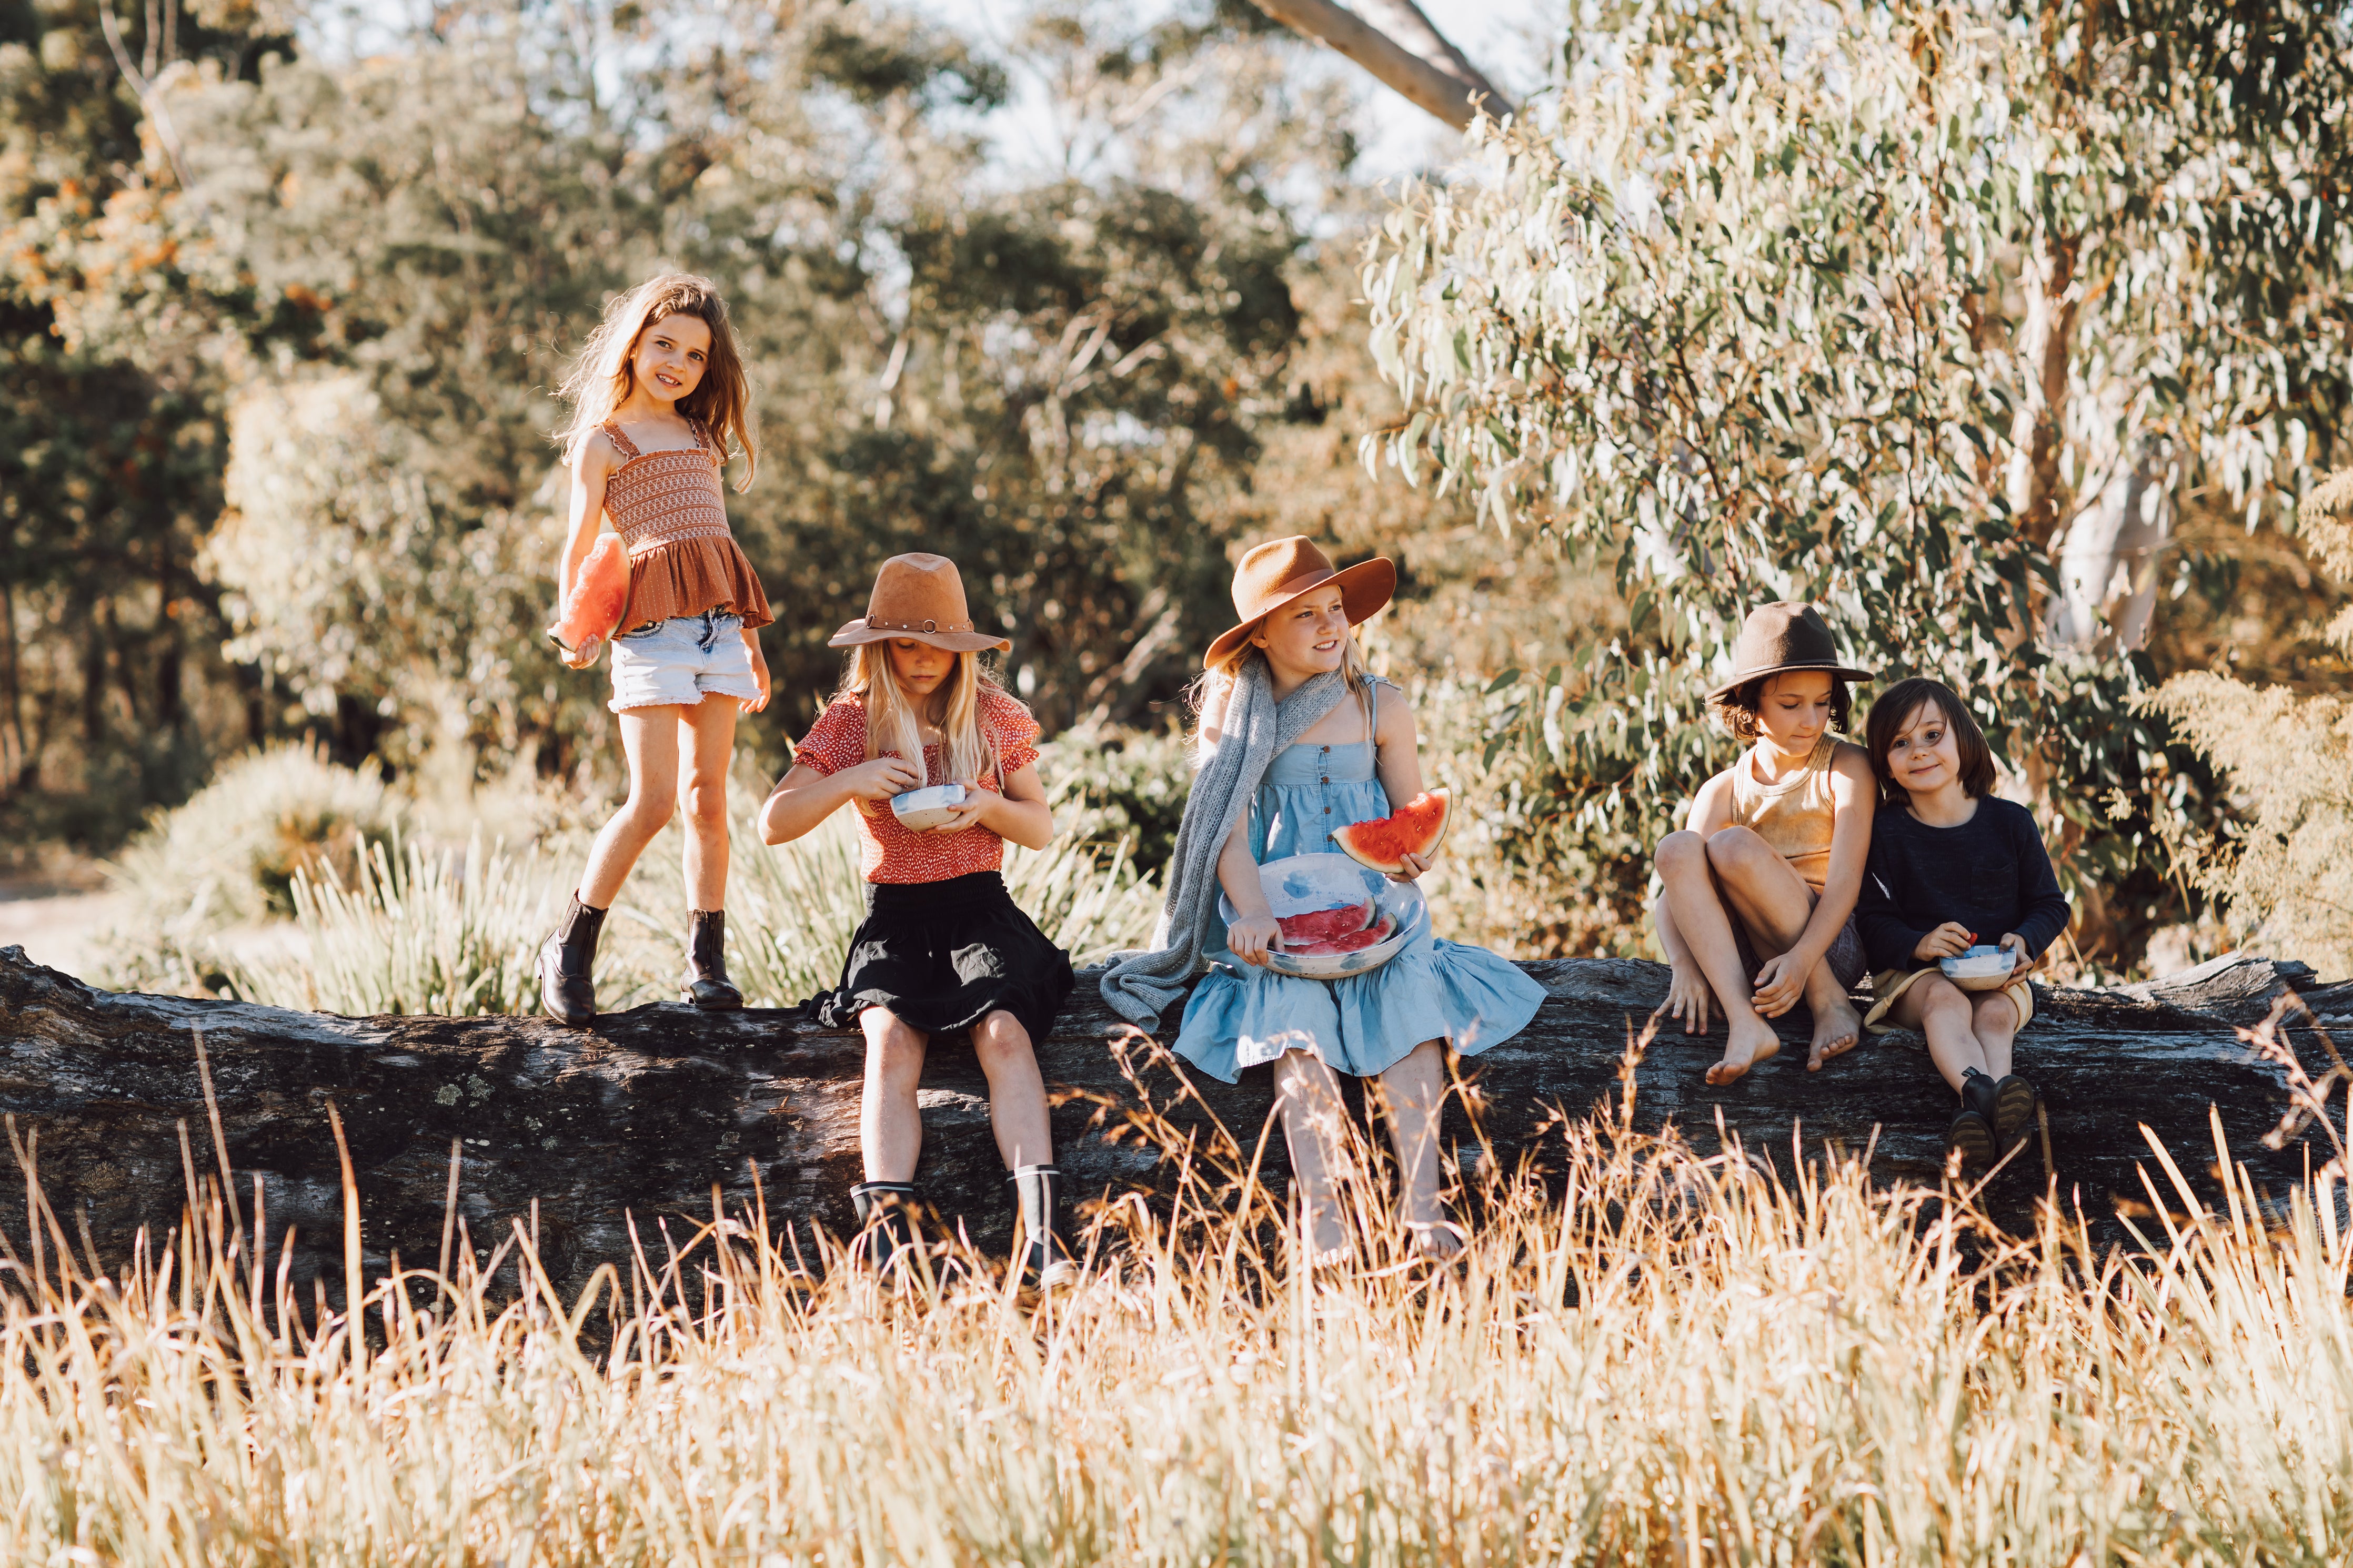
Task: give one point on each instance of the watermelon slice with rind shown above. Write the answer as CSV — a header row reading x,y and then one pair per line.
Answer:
x,y
1357,941
592,611
1326,925
1414,828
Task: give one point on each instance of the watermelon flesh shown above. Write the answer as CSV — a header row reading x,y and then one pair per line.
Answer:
x,y
600,590
1325,925
1355,941
1414,828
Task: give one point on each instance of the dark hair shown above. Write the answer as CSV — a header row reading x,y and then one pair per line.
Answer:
x,y
1736,709
1898,704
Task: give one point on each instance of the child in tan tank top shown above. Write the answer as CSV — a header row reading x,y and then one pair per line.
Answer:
x,y
1757,906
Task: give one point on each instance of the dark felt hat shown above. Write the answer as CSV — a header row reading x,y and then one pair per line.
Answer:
x,y
1778,638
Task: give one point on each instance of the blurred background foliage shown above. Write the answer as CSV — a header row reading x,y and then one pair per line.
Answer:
x,y
282,296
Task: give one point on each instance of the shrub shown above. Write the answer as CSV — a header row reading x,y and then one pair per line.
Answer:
x,y
230,854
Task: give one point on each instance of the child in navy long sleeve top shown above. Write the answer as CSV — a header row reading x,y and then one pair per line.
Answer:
x,y
1953,868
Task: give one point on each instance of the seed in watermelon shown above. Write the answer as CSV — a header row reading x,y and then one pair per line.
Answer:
x,y
1357,941
1325,925
1414,828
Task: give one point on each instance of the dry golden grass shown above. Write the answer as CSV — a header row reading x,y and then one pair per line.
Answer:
x,y
1662,1359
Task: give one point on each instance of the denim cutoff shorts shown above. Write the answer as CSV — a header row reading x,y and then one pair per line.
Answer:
x,y
682,661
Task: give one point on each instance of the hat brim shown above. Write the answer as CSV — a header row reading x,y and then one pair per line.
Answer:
x,y
857,631
1844,672
1365,589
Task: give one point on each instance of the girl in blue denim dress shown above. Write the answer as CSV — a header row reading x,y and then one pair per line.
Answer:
x,y
1309,773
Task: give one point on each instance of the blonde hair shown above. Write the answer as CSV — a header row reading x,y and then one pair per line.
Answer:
x,y
892,724
602,379
1216,683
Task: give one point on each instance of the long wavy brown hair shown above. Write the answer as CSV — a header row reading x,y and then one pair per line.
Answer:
x,y
601,378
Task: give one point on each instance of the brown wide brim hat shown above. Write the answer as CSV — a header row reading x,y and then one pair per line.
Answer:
x,y
1780,638
921,598
1283,571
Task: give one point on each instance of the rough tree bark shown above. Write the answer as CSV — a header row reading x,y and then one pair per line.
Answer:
x,y
641,1115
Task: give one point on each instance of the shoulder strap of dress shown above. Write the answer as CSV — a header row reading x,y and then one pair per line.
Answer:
x,y
613,432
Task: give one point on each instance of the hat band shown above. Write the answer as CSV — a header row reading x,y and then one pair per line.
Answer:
x,y
873,625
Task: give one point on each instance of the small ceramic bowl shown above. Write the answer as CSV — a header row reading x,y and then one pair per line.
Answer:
x,y
922,809
1299,884
1981,968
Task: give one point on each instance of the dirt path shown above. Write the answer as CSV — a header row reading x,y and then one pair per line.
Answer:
x,y
58,918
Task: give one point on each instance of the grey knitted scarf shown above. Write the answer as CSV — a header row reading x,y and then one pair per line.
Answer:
x,y
1252,730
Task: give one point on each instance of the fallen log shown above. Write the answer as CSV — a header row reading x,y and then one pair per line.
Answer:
x,y
644,1114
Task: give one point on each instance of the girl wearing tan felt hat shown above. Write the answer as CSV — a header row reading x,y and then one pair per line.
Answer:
x,y
944,950
1296,739
1756,910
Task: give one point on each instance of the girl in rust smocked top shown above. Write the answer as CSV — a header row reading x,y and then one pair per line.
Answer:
x,y
657,397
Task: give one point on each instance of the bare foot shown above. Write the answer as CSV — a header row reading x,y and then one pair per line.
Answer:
x,y
1436,1241
1838,1028
1750,1042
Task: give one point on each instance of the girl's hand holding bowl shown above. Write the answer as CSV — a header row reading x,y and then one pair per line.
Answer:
x,y
882,778
1250,937
976,802
1948,941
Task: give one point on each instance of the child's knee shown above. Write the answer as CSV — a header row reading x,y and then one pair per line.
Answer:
x,y
1681,849
706,804
1001,1038
1736,848
1940,996
1995,1013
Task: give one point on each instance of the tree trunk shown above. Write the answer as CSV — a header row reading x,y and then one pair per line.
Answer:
x,y
1440,80
639,1118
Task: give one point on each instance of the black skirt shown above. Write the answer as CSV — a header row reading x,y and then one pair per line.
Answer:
x,y
944,955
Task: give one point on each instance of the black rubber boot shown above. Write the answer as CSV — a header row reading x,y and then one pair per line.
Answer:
x,y
885,1222
568,964
1045,1257
1972,1132
707,985
2013,1110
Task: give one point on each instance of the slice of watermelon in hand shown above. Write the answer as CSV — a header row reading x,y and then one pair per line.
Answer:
x,y
1325,925
600,592
1414,828
1355,941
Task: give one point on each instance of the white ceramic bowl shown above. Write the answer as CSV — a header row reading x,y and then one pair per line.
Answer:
x,y
1981,968
920,809
1299,884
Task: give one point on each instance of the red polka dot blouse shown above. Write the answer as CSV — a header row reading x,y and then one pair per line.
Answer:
x,y
888,852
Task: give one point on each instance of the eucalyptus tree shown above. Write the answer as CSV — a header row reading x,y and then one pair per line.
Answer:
x,y
1930,315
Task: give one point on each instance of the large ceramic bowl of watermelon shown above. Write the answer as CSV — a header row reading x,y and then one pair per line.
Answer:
x,y
1338,918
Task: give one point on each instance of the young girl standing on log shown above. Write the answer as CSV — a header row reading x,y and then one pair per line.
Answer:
x,y
943,949
1951,867
658,397
1758,900
1296,739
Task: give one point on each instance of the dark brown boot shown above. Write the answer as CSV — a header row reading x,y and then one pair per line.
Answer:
x,y
707,985
568,964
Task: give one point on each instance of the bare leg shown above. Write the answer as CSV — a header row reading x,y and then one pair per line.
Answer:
x,y
649,741
1941,1011
1994,1022
1017,1093
1696,905
1308,1096
890,1125
1768,897
1413,1092
708,730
